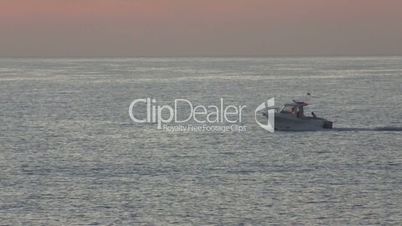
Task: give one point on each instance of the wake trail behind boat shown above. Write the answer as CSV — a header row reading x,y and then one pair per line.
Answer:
x,y
384,129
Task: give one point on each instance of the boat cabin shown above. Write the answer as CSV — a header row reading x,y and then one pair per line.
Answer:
x,y
295,108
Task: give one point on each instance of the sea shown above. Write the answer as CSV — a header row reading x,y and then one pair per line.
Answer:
x,y
70,154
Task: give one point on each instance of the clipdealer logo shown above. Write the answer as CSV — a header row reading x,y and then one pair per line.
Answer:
x,y
269,107
184,116
211,118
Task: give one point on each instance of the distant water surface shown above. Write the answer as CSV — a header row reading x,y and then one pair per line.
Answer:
x,y
70,154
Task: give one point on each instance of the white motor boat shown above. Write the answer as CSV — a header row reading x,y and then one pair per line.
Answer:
x,y
290,117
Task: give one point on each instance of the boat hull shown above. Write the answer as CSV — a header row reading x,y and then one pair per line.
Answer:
x,y
288,122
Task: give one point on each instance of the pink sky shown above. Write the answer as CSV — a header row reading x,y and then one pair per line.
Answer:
x,y
200,27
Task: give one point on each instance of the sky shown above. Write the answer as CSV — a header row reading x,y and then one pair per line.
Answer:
x,y
158,28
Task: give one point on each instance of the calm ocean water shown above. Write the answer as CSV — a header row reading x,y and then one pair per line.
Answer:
x,y
70,155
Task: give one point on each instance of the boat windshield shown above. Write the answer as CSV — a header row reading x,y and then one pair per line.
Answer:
x,y
295,109
288,108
